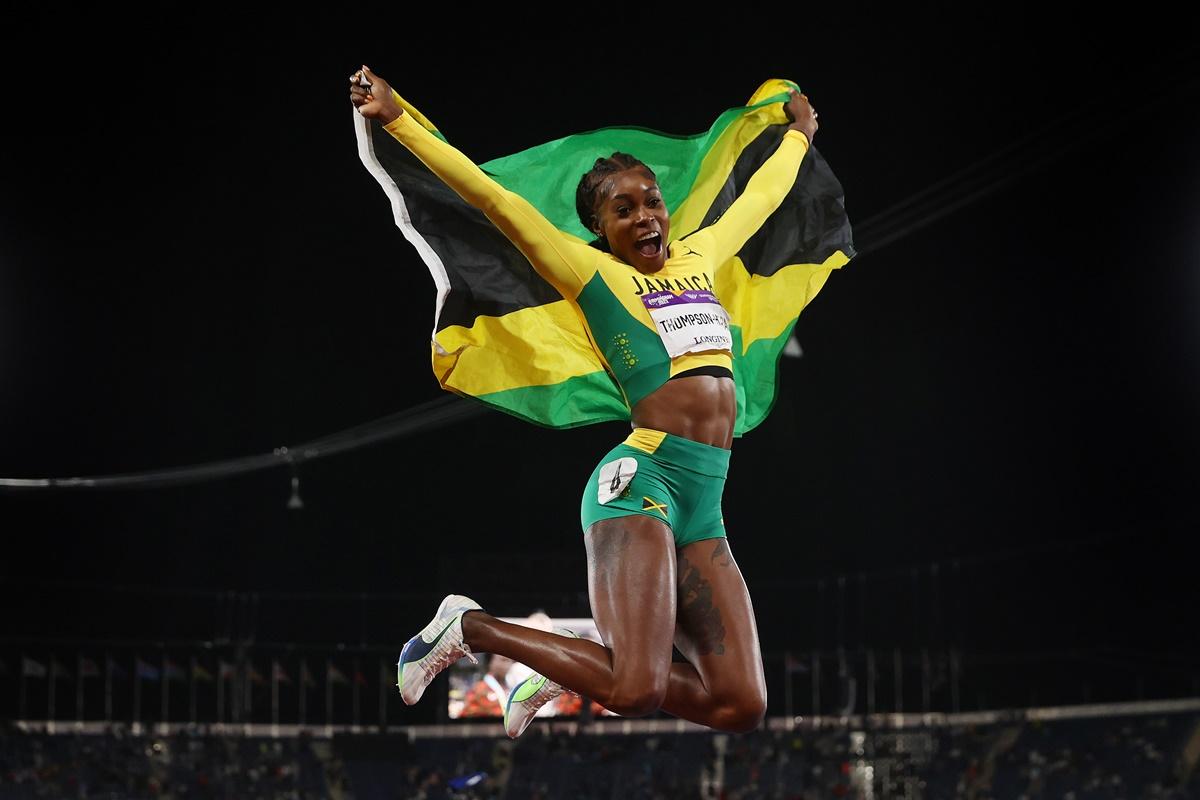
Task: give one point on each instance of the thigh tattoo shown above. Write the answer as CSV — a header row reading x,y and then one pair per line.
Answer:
x,y
720,554
606,544
701,619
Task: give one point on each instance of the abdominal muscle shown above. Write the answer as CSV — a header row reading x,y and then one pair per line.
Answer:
x,y
702,408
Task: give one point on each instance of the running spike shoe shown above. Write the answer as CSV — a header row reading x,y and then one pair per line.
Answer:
x,y
528,696
436,647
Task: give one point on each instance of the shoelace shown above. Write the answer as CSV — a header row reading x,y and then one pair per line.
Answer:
x,y
548,691
446,656
545,693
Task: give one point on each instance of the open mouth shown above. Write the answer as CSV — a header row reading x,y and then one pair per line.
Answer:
x,y
650,245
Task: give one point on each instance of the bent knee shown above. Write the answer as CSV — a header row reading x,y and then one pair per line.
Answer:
x,y
740,716
638,699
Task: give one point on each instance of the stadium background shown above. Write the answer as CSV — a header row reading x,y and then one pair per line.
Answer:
x,y
983,466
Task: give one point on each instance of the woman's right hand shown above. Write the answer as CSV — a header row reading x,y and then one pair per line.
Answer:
x,y
802,115
375,101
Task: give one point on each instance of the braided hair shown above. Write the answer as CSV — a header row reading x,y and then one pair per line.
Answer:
x,y
588,192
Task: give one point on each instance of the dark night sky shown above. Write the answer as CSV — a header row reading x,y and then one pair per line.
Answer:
x,y
195,266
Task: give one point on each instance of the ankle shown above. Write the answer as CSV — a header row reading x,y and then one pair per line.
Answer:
x,y
473,629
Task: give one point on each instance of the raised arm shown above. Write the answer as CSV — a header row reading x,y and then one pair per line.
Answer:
x,y
560,259
766,189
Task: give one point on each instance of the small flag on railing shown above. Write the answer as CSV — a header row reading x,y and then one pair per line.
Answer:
x,y
225,669
88,668
31,668
115,669
334,674
279,673
172,671
146,672
200,673
794,664
253,675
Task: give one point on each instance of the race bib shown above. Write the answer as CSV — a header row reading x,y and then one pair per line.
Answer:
x,y
615,477
690,321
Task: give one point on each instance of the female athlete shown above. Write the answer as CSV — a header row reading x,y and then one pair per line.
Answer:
x,y
660,569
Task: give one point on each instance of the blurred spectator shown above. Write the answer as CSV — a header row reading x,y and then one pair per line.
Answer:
x,y
487,697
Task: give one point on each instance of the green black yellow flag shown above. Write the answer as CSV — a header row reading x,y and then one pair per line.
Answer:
x,y
503,335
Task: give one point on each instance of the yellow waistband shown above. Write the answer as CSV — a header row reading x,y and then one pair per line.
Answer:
x,y
645,439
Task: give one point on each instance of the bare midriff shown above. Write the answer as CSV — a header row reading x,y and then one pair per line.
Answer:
x,y
702,408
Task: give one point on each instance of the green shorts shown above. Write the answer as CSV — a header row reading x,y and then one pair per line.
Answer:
x,y
666,477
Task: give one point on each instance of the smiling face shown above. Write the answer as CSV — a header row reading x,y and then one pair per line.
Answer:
x,y
631,215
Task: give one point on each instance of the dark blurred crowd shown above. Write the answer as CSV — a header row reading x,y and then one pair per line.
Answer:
x,y
1094,759
186,764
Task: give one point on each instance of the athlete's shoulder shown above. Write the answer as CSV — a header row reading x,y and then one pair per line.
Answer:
x,y
693,244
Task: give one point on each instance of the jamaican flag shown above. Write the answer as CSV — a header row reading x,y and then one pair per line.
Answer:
x,y
503,335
